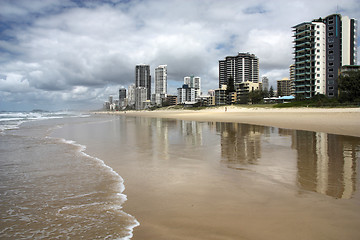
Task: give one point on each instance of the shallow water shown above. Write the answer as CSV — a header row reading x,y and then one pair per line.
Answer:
x,y
50,189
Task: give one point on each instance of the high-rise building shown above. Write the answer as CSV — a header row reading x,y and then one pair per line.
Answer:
x,y
140,97
292,78
122,97
131,95
186,94
321,48
143,78
241,68
284,87
195,83
265,83
161,79
122,94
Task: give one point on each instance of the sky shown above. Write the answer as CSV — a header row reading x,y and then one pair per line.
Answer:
x,y
73,54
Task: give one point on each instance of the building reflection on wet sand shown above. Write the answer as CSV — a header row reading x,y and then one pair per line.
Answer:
x,y
240,143
324,163
327,163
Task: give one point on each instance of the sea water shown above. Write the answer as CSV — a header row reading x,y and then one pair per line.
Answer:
x,y
51,189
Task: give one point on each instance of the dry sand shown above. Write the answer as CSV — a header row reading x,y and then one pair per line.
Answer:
x,y
342,121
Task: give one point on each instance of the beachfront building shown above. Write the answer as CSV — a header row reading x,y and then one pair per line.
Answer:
x,y
131,95
122,97
292,78
322,46
160,85
243,67
143,78
140,97
195,83
171,100
243,89
284,87
221,96
186,95
161,79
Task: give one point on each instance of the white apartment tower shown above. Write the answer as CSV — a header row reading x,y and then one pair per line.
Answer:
x,y
161,79
194,82
241,68
321,48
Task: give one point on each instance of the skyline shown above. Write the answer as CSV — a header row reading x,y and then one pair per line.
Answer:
x,y
74,54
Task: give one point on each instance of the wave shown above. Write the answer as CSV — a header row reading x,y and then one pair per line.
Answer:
x,y
12,120
120,187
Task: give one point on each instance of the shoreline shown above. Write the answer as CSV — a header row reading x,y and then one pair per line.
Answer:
x,y
341,121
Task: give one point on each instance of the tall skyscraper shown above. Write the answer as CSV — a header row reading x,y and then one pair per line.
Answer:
x,y
122,97
161,79
131,95
122,94
321,48
242,68
143,78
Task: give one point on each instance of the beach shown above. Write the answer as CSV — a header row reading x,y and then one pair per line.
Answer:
x,y
250,181
247,173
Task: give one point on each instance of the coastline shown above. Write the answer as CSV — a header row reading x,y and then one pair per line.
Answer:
x,y
341,121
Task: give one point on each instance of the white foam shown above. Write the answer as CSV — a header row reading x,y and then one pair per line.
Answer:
x,y
121,187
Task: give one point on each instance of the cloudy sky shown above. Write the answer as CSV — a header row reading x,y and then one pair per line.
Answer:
x,y
73,54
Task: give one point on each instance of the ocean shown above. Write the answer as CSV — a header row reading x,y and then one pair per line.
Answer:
x,y
50,188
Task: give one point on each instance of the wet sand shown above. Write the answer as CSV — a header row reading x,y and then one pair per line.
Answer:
x,y
186,192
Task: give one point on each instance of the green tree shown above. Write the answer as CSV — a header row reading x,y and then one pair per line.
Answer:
x,y
349,87
271,91
256,96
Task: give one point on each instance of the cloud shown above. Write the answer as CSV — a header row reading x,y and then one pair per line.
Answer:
x,y
67,53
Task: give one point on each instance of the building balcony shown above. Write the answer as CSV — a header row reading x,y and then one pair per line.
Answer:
x,y
303,31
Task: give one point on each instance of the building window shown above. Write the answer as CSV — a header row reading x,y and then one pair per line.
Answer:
x,y
318,69
331,34
331,88
318,75
331,75
331,70
318,57
331,40
331,94
331,52
318,63
331,57
318,38
318,87
331,28
331,45
331,64
318,50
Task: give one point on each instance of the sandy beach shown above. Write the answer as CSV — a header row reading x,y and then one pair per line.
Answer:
x,y
343,121
244,182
